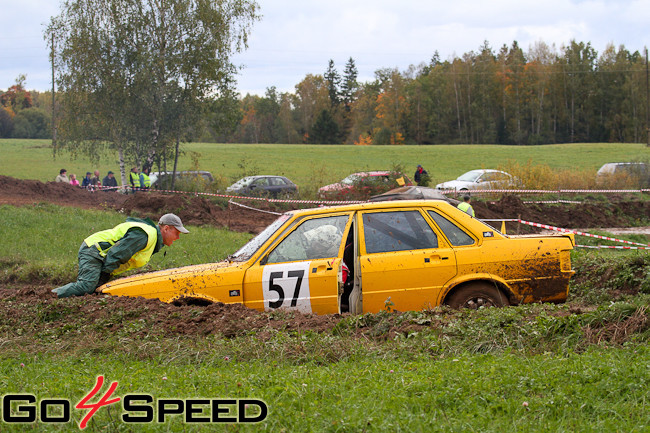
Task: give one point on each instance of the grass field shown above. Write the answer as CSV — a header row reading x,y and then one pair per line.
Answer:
x,y
529,368
601,390
533,368
309,165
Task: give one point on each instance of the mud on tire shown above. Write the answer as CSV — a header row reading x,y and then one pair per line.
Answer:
x,y
476,295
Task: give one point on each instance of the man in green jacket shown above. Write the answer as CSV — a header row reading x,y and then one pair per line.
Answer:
x,y
126,246
465,206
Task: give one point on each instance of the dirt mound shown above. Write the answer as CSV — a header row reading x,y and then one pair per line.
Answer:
x,y
193,209
22,192
34,307
200,210
587,214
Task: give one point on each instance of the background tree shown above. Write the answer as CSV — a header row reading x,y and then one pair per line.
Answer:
x,y
135,74
349,85
325,129
333,82
311,98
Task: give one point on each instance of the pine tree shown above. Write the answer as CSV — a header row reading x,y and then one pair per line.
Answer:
x,y
350,84
333,81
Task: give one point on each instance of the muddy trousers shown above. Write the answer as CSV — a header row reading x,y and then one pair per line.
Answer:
x,y
90,274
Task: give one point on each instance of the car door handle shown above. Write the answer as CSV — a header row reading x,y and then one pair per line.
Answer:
x,y
320,268
434,259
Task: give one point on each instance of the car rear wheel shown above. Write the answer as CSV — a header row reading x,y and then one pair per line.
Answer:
x,y
477,295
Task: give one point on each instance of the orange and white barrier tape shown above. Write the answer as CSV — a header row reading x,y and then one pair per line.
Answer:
x,y
618,247
241,197
544,191
252,208
576,232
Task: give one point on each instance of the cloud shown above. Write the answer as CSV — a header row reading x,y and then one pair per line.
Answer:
x,y
298,37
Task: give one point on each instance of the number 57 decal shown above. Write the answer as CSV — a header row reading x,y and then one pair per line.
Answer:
x,y
284,285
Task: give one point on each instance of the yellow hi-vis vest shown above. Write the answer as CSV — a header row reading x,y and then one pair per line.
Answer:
x,y
146,181
113,235
466,207
135,179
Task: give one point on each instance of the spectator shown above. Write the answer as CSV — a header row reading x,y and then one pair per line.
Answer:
x,y
86,182
73,180
110,182
421,177
95,181
63,176
145,181
134,179
465,206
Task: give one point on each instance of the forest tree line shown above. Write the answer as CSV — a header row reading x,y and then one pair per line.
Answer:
x,y
512,96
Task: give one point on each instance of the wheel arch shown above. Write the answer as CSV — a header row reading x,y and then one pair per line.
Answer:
x,y
194,299
496,282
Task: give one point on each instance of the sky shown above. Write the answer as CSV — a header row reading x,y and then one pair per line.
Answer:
x,y
299,37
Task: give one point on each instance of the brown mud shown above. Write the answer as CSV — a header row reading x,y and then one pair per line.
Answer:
x,y
29,305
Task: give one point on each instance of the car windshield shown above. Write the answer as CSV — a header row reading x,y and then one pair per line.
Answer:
x,y
350,179
470,176
241,183
247,251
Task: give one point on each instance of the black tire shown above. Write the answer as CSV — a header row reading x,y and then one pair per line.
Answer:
x,y
477,295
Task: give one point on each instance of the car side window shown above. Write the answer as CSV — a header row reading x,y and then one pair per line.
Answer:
x,y
317,238
455,234
397,231
277,181
261,182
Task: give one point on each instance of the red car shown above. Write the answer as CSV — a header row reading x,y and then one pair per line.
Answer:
x,y
364,184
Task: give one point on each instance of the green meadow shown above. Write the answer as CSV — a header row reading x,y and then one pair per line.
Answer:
x,y
320,165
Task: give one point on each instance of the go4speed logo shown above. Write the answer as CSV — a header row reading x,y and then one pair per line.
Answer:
x,y
136,408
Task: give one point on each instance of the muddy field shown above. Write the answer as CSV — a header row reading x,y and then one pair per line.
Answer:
x,y
26,305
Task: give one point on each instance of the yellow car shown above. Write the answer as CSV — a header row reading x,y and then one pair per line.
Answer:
x,y
401,255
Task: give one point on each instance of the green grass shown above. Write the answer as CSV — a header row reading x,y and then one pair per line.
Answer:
x,y
600,390
47,239
319,165
464,371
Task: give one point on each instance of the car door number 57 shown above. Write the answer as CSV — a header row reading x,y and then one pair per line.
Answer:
x,y
273,287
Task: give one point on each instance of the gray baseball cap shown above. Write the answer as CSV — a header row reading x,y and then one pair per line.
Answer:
x,y
169,219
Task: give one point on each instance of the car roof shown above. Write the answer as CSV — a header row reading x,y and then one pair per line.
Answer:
x,y
372,173
370,206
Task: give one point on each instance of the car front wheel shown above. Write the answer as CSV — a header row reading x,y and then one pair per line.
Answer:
x,y
477,295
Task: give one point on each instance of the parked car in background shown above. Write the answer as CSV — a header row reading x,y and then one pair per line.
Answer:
x,y
404,255
364,184
257,186
163,179
479,179
614,173
413,192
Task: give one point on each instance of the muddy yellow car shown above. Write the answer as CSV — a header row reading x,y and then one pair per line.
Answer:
x,y
406,255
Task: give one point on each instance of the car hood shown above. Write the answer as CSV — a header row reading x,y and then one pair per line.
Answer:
x,y
170,283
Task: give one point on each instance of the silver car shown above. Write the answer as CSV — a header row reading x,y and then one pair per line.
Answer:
x,y
479,179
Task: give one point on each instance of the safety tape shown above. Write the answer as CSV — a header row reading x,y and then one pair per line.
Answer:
x,y
270,200
252,208
544,226
618,247
539,225
544,191
553,202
